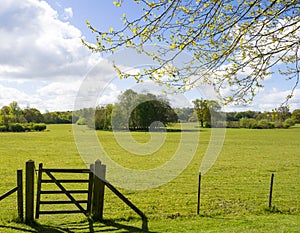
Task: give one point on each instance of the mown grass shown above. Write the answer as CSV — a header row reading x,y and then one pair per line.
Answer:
x,y
234,192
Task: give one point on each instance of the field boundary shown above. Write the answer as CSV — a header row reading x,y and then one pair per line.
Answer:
x,y
19,190
95,192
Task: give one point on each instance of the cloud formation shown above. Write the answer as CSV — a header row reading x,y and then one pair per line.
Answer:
x,y
43,62
36,46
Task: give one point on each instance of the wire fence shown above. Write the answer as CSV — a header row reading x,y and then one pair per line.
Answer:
x,y
226,196
222,193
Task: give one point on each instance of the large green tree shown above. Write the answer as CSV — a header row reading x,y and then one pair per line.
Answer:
x,y
139,111
205,109
232,44
33,115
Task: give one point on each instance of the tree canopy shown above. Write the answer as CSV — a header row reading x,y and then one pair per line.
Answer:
x,y
142,112
232,44
204,110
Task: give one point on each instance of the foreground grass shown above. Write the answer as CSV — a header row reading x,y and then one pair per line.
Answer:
x,y
275,223
234,191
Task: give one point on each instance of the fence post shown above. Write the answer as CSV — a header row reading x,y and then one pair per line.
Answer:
x,y
102,187
29,192
271,191
38,193
199,193
90,190
98,192
20,195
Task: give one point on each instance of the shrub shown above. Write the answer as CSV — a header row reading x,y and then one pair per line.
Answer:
x,y
278,124
3,128
233,124
27,127
39,127
288,123
263,124
271,125
82,121
207,124
16,127
249,123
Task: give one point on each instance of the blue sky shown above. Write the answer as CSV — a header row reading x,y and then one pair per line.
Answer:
x,y
43,63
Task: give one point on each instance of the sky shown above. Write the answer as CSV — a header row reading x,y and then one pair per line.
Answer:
x,y
44,65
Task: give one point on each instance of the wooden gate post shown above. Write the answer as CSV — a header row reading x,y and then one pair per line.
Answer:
x,y
98,192
29,192
20,195
90,190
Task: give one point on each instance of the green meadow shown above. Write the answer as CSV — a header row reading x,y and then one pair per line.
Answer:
x,y
234,192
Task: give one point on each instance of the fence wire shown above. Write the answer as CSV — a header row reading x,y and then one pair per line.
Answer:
x,y
220,195
228,196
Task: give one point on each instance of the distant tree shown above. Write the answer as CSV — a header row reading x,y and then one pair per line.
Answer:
x,y
204,110
33,115
138,111
103,117
5,113
152,111
246,114
283,113
99,117
15,119
184,113
5,110
122,114
296,115
231,116
108,114
83,116
193,117
15,109
50,118
59,117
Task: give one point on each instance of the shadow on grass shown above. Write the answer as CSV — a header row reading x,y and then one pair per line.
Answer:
x,y
82,227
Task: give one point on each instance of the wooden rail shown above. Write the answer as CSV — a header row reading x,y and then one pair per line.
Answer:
x,y
129,203
62,190
95,192
19,190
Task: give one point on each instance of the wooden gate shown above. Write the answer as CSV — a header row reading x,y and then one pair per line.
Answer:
x,y
91,205
83,205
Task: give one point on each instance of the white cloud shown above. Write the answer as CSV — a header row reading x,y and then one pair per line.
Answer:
x,y
274,98
268,100
68,13
58,88
35,44
37,47
9,94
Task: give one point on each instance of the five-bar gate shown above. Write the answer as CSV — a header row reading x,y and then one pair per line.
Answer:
x,y
83,205
90,201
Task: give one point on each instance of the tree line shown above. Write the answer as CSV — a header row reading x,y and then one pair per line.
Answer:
x,y
277,118
135,111
14,118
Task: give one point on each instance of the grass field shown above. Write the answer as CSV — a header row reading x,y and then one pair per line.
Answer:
x,y
234,192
